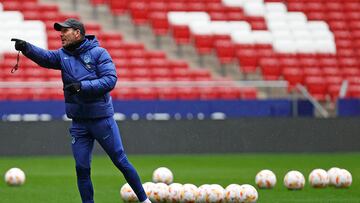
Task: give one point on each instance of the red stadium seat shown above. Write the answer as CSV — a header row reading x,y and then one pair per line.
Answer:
x,y
293,75
181,34
139,12
167,93
270,68
124,93
248,93
160,73
157,63
247,60
146,93
230,93
188,93
316,86
18,94
118,7
154,54
204,44
98,2
334,91
225,51
159,23
209,93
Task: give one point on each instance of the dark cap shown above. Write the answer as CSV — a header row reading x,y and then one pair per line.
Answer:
x,y
70,23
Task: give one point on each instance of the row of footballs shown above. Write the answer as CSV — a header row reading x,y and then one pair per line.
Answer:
x,y
293,179
264,179
163,190
318,178
189,193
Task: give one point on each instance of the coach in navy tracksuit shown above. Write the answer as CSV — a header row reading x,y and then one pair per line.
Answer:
x,y
88,74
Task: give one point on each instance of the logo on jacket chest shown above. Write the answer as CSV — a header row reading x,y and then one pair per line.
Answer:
x,y
87,61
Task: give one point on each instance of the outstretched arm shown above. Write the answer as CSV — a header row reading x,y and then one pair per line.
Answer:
x,y
44,58
107,77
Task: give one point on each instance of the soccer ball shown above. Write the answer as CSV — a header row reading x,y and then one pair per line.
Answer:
x,y
332,175
265,179
189,193
232,193
215,194
160,192
248,194
343,178
162,175
175,192
15,177
202,193
148,187
318,178
294,180
127,194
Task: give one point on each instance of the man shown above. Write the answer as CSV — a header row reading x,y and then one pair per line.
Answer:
x,y
88,75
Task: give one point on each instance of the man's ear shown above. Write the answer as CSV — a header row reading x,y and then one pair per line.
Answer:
x,y
78,33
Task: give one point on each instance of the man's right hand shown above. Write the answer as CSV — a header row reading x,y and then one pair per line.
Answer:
x,y
20,45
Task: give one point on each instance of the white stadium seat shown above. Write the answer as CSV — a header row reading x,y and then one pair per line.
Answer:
x,y
282,34
239,25
184,18
317,25
235,3
262,37
200,27
275,7
275,16
298,25
305,46
322,35
296,16
14,26
11,16
254,8
242,37
302,35
284,46
221,27
277,25
325,46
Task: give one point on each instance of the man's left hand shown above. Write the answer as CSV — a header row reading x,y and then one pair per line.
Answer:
x,y
73,87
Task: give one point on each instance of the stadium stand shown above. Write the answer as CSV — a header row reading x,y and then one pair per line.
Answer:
x,y
310,43
134,62
310,37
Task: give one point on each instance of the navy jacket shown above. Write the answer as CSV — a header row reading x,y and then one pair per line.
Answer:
x,y
89,64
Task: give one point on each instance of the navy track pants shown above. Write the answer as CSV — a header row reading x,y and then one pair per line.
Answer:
x,y
106,132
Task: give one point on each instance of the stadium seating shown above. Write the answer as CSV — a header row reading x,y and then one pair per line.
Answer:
x,y
134,62
312,43
311,38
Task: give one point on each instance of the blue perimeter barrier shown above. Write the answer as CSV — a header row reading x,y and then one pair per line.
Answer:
x,y
348,107
231,108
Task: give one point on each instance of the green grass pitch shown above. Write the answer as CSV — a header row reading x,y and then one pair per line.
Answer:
x,y
52,179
